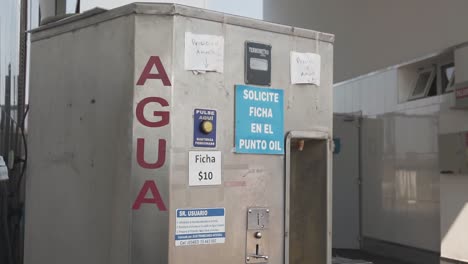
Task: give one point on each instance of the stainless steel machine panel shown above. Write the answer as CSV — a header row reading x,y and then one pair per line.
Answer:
x,y
119,87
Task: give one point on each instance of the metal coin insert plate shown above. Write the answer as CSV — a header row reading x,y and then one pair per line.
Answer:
x,y
257,245
258,218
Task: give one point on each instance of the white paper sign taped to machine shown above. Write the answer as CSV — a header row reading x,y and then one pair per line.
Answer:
x,y
204,52
305,68
204,168
200,226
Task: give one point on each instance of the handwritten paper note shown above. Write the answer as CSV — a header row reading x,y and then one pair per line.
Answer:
x,y
204,52
305,68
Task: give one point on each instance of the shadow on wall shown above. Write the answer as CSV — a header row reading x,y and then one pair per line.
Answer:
x,y
454,217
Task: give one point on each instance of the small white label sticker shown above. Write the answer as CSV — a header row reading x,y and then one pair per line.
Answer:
x,y
200,226
204,168
305,68
204,52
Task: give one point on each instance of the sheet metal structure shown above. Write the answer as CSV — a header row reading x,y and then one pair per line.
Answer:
x,y
111,128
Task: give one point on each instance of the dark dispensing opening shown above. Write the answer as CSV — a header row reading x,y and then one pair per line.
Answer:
x,y
306,209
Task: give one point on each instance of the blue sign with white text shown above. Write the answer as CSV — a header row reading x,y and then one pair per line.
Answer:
x,y
259,120
204,128
200,226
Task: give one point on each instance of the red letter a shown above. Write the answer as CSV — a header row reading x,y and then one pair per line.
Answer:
x,y
146,74
156,199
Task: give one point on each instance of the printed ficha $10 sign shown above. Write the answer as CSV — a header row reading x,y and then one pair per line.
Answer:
x,y
204,168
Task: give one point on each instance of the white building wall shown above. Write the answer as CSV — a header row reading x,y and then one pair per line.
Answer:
x,y
373,95
405,198
400,178
454,188
400,198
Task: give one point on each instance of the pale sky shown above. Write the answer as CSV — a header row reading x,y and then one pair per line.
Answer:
x,y
9,41
248,8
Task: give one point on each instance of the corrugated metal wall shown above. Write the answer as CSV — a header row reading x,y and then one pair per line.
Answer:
x,y
400,178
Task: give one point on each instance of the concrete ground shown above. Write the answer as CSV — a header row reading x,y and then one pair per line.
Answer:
x,y
360,255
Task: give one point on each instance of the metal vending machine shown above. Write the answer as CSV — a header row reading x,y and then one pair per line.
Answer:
x,y
161,133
